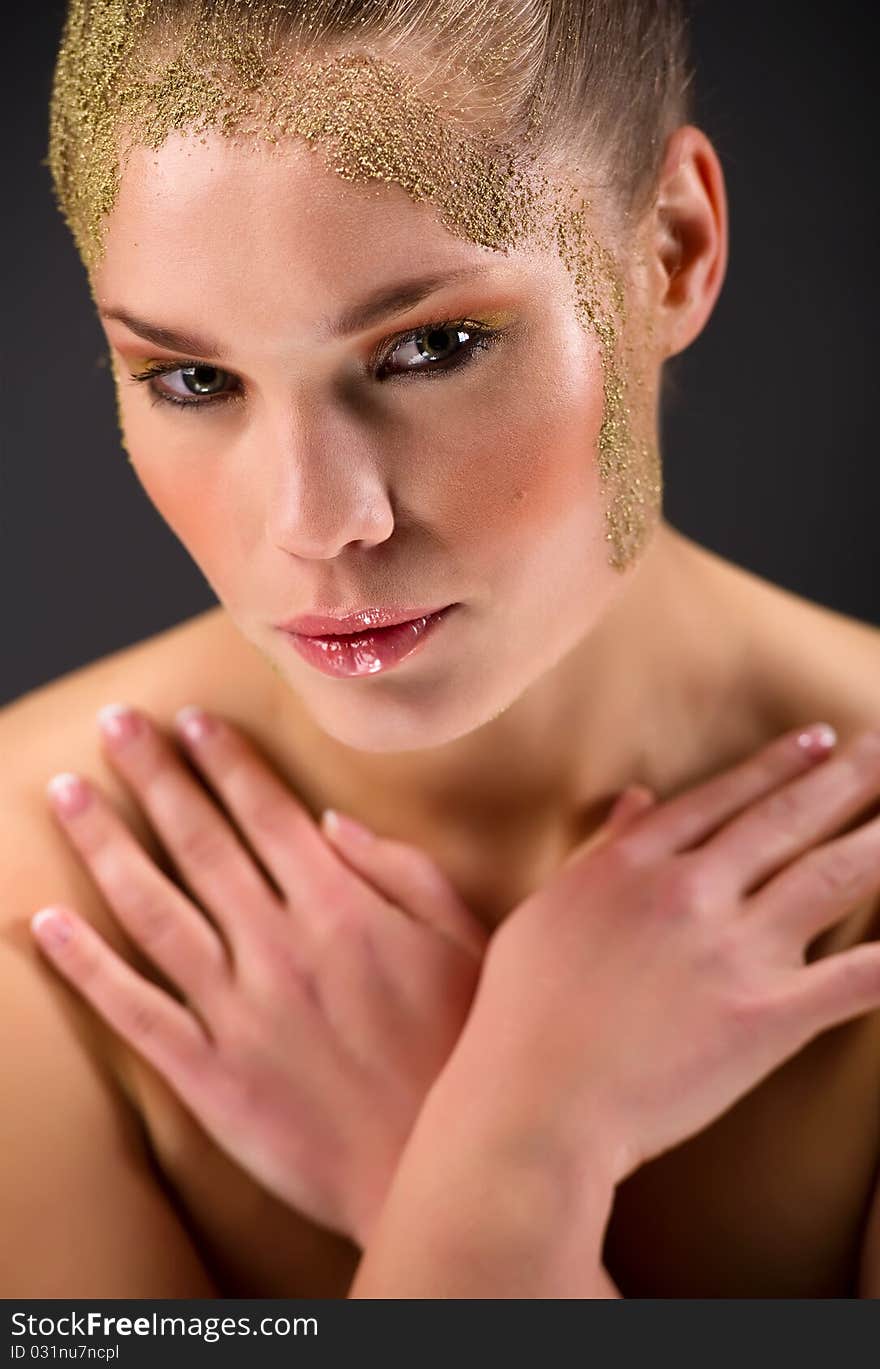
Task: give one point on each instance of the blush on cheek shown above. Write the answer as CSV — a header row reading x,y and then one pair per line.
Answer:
x,y
519,481
190,505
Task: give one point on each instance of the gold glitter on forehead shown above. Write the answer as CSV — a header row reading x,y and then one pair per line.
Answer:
x,y
127,77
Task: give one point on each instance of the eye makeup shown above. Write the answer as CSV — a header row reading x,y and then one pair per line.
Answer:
x,y
472,337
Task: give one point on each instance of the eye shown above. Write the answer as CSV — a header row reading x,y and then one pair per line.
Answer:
x,y
435,349
198,383
201,380
438,347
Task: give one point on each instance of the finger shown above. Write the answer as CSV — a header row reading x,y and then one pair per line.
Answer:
x,y
212,861
158,917
156,1026
632,803
785,824
684,821
831,990
408,878
635,801
818,890
278,827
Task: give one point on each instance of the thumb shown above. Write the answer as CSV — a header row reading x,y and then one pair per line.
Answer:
x,y
634,800
408,877
631,803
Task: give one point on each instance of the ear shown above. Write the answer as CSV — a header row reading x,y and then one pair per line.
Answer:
x,y
687,239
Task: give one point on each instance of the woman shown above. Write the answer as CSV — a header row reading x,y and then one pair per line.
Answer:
x,y
379,441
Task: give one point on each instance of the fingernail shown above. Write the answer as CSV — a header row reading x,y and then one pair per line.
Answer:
x,y
119,723
818,738
52,927
68,793
340,824
194,723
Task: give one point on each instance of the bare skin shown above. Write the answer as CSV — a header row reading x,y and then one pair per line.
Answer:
x,y
221,1205
663,676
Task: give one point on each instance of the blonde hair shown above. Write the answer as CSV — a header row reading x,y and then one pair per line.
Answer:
x,y
596,84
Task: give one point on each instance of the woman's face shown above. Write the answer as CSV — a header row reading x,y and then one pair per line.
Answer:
x,y
443,452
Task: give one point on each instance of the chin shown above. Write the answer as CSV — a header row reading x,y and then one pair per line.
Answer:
x,y
393,726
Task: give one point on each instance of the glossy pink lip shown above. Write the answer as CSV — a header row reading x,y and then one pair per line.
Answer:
x,y
370,651
358,620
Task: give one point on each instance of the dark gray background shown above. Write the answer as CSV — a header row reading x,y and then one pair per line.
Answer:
x,y
769,458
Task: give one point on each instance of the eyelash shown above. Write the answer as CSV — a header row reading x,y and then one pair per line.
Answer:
x,y
482,338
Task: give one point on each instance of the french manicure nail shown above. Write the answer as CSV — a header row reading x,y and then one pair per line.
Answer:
x,y
52,927
340,824
194,723
119,723
68,793
818,738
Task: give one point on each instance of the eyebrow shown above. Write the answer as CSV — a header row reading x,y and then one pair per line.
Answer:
x,y
394,299
380,303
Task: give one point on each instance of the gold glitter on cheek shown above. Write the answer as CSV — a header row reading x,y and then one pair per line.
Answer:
x,y
124,80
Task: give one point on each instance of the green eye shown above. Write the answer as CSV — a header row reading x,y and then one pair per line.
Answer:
x,y
202,384
201,380
439,347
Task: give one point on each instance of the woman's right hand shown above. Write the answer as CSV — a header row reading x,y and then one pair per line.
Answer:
x,y
660,974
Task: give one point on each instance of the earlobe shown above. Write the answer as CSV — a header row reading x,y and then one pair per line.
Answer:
x,y
691,235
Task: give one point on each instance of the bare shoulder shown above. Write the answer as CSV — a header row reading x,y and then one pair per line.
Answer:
x,y
801,660
75,1179
157,673
53,728
832,661
826,667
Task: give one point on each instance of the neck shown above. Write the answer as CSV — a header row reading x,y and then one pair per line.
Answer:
x,y
653,695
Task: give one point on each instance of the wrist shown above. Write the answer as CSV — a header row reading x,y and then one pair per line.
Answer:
x,y
487,1116
497,1089
482,1207
501,1189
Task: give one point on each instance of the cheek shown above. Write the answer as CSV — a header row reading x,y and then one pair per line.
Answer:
x,y
180,495
179,477
522,471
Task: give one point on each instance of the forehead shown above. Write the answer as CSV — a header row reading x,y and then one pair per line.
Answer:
x,y
235,219
197,195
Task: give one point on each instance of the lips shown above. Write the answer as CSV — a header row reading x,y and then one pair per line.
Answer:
x,y
357,621
366,651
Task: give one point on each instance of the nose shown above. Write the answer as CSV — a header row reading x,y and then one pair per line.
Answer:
x,y
330,493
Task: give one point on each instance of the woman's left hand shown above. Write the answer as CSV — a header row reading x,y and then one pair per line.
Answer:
x,y
315,1016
